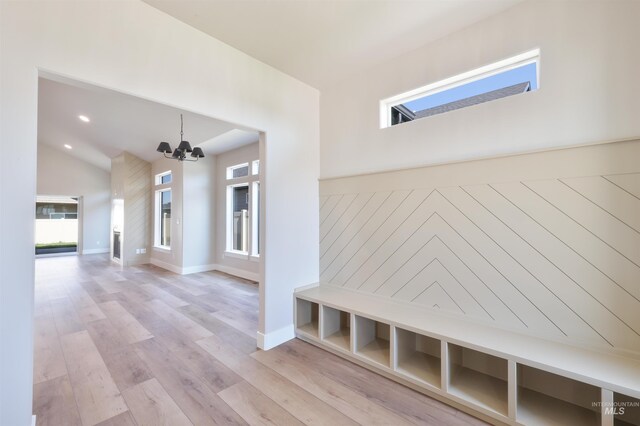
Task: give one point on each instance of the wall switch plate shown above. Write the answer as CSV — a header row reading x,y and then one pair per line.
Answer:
x,y
143,251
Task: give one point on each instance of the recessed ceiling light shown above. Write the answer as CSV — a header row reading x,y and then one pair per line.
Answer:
x,y
84,118
66,145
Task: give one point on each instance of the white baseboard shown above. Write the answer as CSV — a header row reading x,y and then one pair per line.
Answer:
x,y
238,272
165,265
198,268
275,338
95,251
203,268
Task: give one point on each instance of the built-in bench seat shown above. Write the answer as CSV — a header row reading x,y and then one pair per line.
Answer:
x,y
499,375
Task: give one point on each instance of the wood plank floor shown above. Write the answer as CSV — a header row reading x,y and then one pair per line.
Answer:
x,y
144,346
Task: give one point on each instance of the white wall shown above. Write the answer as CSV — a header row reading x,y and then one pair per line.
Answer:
x,y
229,263
62,174
192,215
588,91
134,48
198,213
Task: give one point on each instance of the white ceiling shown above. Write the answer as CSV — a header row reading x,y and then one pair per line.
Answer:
x,y
121,122
321,42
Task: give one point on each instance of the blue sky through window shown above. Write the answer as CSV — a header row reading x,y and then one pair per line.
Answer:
x,y
488,84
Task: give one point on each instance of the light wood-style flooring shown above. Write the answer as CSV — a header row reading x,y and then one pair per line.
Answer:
x,y
144,346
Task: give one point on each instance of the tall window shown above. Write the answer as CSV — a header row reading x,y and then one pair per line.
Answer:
x,y
243,209
162,234
240,211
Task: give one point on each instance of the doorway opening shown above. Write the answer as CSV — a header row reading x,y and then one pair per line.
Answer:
x,y
57,225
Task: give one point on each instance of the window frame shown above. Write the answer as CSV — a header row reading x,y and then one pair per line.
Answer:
x,y
254,219
229,218
231,169
526,58
157,211
158,221
159,176
252,182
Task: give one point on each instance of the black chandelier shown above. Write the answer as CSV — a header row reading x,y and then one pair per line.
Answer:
x,y
180,153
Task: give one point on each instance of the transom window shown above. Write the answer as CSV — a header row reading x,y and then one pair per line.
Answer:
x,y
163,178
238,171
509,77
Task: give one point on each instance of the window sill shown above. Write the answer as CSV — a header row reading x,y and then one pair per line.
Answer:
x,y
162,249
254,258
237,254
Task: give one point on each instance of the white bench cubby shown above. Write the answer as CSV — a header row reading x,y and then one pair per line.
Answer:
x,y
372,340
418,357
498,375
336,327
626,410
479,378
307,317
549,399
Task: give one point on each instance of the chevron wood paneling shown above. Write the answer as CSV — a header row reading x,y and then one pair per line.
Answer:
x,y
557,257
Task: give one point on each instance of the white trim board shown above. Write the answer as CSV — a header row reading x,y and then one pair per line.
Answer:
x,y
238,272
268,341
203,268
95,251
167,266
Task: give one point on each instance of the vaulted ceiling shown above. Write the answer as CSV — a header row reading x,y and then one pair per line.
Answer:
x,y
321,42
120,122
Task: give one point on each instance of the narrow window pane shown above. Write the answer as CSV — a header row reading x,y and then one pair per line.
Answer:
x,y
165,179
255,220
240,199
165,218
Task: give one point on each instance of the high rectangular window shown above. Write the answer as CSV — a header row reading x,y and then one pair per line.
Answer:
x,y
238,171
509,77
163,178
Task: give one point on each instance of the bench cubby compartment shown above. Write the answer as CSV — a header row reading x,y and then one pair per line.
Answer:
x,y
478,378
307,317
372,340
336,327
545,398
631,413
418,357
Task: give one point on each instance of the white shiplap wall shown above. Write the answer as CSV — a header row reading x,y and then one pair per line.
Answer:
x,y
545,243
